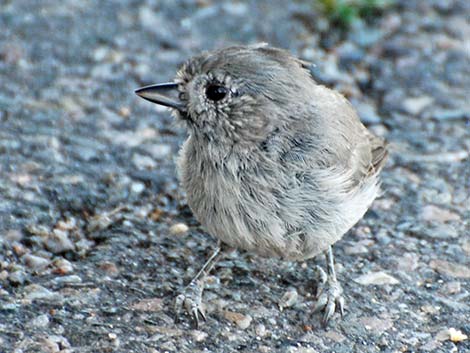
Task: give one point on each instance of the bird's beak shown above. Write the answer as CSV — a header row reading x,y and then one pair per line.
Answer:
x,y
163,93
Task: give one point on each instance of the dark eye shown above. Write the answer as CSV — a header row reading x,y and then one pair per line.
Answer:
x,y
216,92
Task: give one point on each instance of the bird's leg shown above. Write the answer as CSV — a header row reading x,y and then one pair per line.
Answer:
x,y
329,291
191,296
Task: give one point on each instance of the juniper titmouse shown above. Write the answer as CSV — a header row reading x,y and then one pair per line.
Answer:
x,y
275,163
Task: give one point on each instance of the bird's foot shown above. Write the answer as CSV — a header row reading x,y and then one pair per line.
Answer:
x,y
190,299
329,296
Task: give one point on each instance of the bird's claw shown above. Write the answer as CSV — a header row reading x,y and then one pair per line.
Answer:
x,y
329,296
191,300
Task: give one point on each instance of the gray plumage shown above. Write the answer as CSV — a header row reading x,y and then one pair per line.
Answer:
x,y
275,163
282,166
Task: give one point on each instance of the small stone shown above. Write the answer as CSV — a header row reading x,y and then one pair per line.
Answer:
x,y
17,277
416,105
451,334
260,330
438,214
40,321
356,249
37,292
443,335
158,151
295,349
289,299
62,266
442,231
367,113
69,224
109,267
55,344
335,336
430,309
242,321
443,157
19,249
35,263
376,324
448,115
376,278
58,242
13,236
143,162
453,287
68,279
408,262
137,187
9,306
125,112
450,268
199,336
148,305
179,229
466,246
457,335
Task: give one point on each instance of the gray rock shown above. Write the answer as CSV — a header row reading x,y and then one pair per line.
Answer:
x,y
35,263
17,277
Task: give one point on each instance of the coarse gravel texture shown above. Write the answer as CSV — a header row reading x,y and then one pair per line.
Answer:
x,y
94,237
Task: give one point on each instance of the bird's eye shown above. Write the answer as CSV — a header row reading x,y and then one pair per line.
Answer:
x,y
216,92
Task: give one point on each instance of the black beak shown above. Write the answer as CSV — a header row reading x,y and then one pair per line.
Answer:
x,y
164,94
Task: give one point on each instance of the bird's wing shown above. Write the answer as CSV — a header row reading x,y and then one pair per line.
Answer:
x,y
367,157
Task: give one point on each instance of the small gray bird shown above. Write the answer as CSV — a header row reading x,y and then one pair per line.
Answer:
x,y
274,164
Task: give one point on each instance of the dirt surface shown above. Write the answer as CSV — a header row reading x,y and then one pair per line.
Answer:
x,y
90,258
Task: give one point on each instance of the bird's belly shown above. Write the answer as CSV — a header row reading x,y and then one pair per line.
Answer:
x,y
246,212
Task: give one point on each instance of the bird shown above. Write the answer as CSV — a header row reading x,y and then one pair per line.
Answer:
x,y
274,163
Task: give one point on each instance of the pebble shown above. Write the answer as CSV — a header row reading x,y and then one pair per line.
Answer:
x,y
38,292
416,105
408,262
439,231
148,305
55,344
290,298
450,268
137,187
17,277
356,249
143,162
376,278
40,321
35,263
449,114
58,242
367,112
158,151
62,266
199,336
68,279
179,229
452,287
376,324
260,330
109,267
335,336
443,157
241,320
451,334
436,213
12,236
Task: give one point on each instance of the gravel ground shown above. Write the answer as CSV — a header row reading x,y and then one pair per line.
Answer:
x,y
95,234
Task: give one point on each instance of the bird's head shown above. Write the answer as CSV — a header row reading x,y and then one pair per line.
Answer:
x,y
235,95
